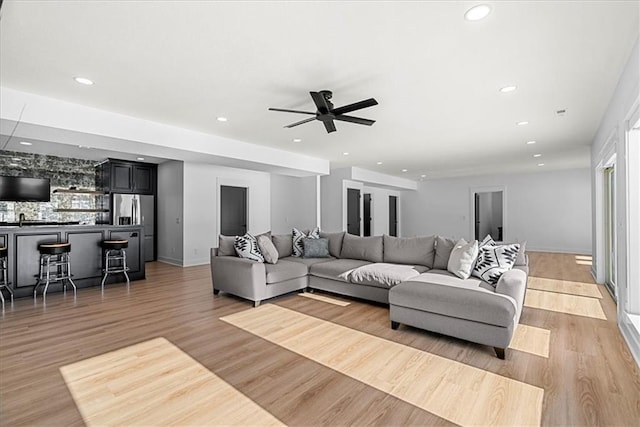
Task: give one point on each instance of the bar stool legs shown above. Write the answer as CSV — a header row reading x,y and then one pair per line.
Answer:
x,y
4,277
115,259
54,257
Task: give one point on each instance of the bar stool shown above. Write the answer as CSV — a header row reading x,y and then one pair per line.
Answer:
x,y
4,280
54,258
115,258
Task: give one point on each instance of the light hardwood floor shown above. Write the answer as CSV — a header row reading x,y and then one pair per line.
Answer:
x,y
587,375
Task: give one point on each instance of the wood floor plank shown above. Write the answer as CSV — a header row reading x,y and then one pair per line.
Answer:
x,y
531,339
563,303
323,298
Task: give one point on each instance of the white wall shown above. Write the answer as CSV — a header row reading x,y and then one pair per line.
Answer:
x,y
550,210
331,190
293,203
201,199
380,210
170,213
611,139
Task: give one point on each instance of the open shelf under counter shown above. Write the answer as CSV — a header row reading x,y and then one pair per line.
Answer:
x,y
80,191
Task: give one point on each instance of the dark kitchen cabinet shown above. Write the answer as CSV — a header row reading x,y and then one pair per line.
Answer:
x,y
119,176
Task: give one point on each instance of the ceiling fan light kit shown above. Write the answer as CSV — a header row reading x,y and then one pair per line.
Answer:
x,y
326,113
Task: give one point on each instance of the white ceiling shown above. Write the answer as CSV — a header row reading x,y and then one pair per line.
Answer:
x,y
436,76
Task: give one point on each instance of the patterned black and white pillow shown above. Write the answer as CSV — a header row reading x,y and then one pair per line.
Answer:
x,y
247,247
297,236
494,260
488,240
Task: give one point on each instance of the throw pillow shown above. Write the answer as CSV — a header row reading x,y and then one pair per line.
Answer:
x,y
495,260
488,240
297,236
283,244
315,248
462,258
267,249
444,247
225,245
247,247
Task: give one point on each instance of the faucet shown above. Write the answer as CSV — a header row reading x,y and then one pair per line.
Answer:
x,y
21,219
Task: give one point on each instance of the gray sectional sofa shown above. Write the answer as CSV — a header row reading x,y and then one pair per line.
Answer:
x,y
409,274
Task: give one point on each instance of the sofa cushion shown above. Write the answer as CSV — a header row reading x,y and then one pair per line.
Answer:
x,y
493,261
442,293
283,244
297,236
307,261
335,242
284,270
385,275
336,269
444,247
315,248
409,250
362,248
225,246
462,258
247,247
267,249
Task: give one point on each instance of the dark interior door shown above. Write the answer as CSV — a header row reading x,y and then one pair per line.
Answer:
x,y
233,210
353,211
476,214
393,216
367,214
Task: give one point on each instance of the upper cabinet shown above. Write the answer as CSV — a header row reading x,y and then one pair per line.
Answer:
x,y
119,176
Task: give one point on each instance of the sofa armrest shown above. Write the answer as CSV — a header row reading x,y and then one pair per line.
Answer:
x,y
239,276
514,284
214,252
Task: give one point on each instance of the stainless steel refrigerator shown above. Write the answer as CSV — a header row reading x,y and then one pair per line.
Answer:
x,y
136,209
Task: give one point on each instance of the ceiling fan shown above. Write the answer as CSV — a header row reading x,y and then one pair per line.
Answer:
x,y
327,114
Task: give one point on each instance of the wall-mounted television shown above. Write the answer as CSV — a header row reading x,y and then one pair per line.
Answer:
x,y
22,189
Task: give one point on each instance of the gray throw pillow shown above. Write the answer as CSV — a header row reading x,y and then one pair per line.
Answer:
x,y
335,242
225,246
444,247
315,248
267,249
363,248
283,244
409,250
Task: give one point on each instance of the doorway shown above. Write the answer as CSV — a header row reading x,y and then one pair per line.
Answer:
x,y
393,216
367,214
233,210
610,229
353,211
488,215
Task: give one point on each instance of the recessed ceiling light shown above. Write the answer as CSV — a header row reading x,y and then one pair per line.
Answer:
x,y
141,158
530,142
25,143
222,119
423,176
537,155
522,123
404,170
378,163
297,140
345,153
83,81
507,89
478,12
540,164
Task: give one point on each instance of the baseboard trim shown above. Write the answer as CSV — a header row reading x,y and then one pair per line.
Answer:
x,y
172,261
631,335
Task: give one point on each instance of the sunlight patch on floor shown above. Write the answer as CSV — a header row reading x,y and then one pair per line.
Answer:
x,y
459,393
564,287
531,339
325,299
564,303
156,383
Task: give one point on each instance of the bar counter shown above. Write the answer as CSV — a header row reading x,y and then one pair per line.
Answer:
x,y
86,253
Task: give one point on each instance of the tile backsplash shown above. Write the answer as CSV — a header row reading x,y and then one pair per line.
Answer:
x,y
63,173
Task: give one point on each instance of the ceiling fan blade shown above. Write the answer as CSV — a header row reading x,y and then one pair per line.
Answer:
x,y
320,102
352,119
291,111
329,126
355,106
300,122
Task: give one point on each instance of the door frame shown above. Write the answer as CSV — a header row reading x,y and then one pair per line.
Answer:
x,y
232,183
608,154
472,211
354,185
